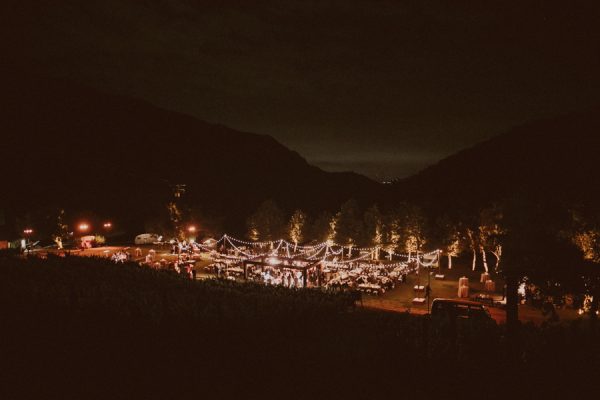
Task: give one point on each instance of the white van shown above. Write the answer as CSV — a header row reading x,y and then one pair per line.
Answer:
x,y
87,242
147,238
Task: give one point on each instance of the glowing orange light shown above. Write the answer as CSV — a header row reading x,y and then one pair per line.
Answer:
x,y
28,231
83,227
107,225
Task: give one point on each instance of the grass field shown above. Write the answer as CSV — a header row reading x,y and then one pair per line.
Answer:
x,y
76,327
399,299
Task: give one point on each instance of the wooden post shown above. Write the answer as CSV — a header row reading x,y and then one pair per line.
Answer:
x,y
319,274
304,277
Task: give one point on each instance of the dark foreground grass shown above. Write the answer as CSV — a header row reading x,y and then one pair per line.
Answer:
x,y
86,328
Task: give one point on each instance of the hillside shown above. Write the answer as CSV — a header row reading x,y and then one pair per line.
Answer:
x,y
81,149
549,159
87,328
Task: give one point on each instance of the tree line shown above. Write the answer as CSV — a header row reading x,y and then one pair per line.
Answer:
x,y
554,246
406,228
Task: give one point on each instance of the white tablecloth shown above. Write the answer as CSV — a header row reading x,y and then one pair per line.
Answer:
x,y
369,286
464,281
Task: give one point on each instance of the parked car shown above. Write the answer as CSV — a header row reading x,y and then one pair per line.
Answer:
x,y
458,309
148,238
87,242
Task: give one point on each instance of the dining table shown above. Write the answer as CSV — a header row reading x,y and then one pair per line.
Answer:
x,y
369,286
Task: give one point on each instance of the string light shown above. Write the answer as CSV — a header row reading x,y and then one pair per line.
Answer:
x,y
331,250
321,252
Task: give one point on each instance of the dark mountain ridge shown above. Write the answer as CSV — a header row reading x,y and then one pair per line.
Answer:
x,y
67,146
548,160
72,147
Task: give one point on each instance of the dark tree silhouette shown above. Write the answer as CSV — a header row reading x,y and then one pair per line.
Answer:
x,y
349,227
267,223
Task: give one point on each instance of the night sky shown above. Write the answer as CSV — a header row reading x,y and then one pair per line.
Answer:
x,y
383,88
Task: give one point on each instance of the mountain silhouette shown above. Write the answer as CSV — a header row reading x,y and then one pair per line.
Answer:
x,y
555,159
68,146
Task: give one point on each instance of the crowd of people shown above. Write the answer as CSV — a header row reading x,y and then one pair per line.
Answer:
x,y
296,272
368,277
182,264
184,247
121,256
281,277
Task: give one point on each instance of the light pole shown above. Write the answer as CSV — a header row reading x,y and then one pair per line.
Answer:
x,y
192,231
27,232
83,227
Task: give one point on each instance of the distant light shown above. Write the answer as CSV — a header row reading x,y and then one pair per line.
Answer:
x,y
28,231
191,229
107,225
83,227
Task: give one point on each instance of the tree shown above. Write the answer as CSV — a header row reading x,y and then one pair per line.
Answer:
x,y
297,226
535,248
414,229
267,223
175,217
405,230
490,233
591,284
349,225
470,222
373,229
61,229
324,227
588,242
584,232
447,234
392,232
